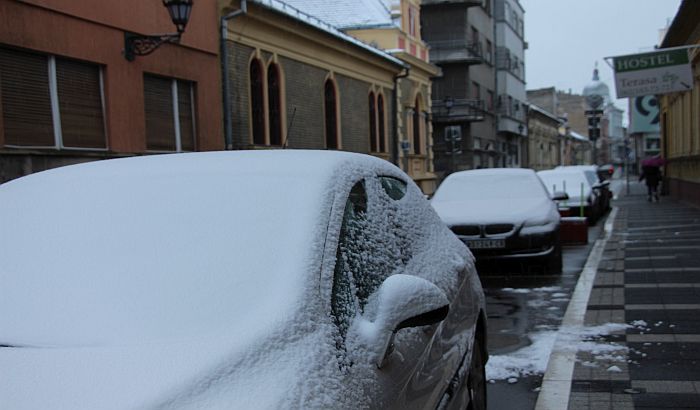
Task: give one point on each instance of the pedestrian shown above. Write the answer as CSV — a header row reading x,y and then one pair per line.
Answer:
x,y
652,174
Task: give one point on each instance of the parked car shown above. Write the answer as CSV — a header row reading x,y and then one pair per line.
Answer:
x,y
502,213
580,192
598,180
241,280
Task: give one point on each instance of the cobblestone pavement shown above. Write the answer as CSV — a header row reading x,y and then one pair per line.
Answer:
x,y
649,278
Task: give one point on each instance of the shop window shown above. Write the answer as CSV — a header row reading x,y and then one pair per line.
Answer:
x,y
169,109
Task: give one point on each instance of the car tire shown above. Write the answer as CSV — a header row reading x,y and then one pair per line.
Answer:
x,y
476,380
554,261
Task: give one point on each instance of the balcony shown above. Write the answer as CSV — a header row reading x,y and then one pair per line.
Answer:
x,y
458,111
456,51
468,3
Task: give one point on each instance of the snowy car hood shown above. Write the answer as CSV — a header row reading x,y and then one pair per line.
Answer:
x,y
212,373
528,211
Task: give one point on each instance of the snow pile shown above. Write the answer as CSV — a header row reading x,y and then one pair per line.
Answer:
x,y
533,359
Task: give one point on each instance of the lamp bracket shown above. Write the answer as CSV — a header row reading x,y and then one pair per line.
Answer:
x,y
138,45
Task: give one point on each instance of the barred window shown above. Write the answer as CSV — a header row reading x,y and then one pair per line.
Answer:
x,y
257,102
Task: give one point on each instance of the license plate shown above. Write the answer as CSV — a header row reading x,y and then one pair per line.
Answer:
x,y
486,243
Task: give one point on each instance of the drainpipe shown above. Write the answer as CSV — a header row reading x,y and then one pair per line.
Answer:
x,y
228,125
395,111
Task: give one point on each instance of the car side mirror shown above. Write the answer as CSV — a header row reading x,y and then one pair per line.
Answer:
x,y
402,301
560,196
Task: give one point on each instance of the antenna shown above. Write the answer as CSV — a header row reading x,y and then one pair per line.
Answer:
x,y
291,122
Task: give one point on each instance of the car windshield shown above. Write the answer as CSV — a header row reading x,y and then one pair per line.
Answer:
x,y
489,185
569,181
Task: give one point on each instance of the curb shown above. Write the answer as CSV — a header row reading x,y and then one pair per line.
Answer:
x,y
556,383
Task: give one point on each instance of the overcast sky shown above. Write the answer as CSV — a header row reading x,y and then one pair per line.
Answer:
x,y
567,37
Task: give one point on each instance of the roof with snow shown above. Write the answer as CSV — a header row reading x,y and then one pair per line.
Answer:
x,y
321,18
345,14
578,136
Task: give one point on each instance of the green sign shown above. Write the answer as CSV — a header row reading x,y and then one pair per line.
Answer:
x,y
650,60
652,73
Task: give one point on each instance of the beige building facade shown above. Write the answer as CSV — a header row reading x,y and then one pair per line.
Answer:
x,y
680,122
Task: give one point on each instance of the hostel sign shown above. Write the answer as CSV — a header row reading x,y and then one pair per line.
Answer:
x,y
652,73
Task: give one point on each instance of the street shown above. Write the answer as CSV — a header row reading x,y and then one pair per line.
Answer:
x,y
525,310
636,346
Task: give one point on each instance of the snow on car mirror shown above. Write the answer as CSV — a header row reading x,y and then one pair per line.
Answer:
x,y
401,301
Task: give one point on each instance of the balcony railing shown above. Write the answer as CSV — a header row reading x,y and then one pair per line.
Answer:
x,y
455,111
455,51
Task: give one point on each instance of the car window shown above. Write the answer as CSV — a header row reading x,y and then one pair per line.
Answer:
x,y
394,187
591,177
343,303
373,244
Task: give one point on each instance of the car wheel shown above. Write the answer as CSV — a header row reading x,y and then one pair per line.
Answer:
x,y
554,261
476,381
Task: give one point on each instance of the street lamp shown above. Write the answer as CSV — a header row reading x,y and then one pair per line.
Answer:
x,y
138,45
595,94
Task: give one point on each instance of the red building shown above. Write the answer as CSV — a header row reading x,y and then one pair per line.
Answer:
x,y
68,94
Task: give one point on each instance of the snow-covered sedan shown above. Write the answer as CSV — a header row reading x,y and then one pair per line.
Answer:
x,y
582,190
502,213
234,280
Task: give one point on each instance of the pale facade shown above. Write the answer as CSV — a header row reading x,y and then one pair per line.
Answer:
x,y
544,139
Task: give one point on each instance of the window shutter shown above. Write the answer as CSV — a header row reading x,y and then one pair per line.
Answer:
x,y
80,104
26,101
186,111
158,102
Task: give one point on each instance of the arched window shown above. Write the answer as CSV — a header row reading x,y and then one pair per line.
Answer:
x,y
382,123
274,104
257,102
373,145
330,115
416,128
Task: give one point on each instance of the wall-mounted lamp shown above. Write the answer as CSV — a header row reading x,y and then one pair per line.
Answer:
x,y
137,45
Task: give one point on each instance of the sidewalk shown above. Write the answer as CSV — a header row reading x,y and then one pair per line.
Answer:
x,y
649,278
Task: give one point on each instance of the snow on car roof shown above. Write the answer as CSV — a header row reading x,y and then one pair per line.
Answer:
x,y
567,180
492,183
142,241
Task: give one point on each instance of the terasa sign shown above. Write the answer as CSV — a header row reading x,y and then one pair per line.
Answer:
x,y
652,73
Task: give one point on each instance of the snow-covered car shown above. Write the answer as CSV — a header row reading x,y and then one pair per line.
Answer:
x,y
502,213
599,181
236,280
581,189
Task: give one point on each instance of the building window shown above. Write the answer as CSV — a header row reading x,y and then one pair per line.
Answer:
x,y
274,103
489,100
169,111
51,102
411,21
476,91
382,123
373,142
331,114
257,102
417,149
489,52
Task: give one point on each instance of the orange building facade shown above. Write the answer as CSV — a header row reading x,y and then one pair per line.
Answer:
x,y
68,94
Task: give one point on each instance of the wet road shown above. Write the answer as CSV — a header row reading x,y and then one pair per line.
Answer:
x,y
523,308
